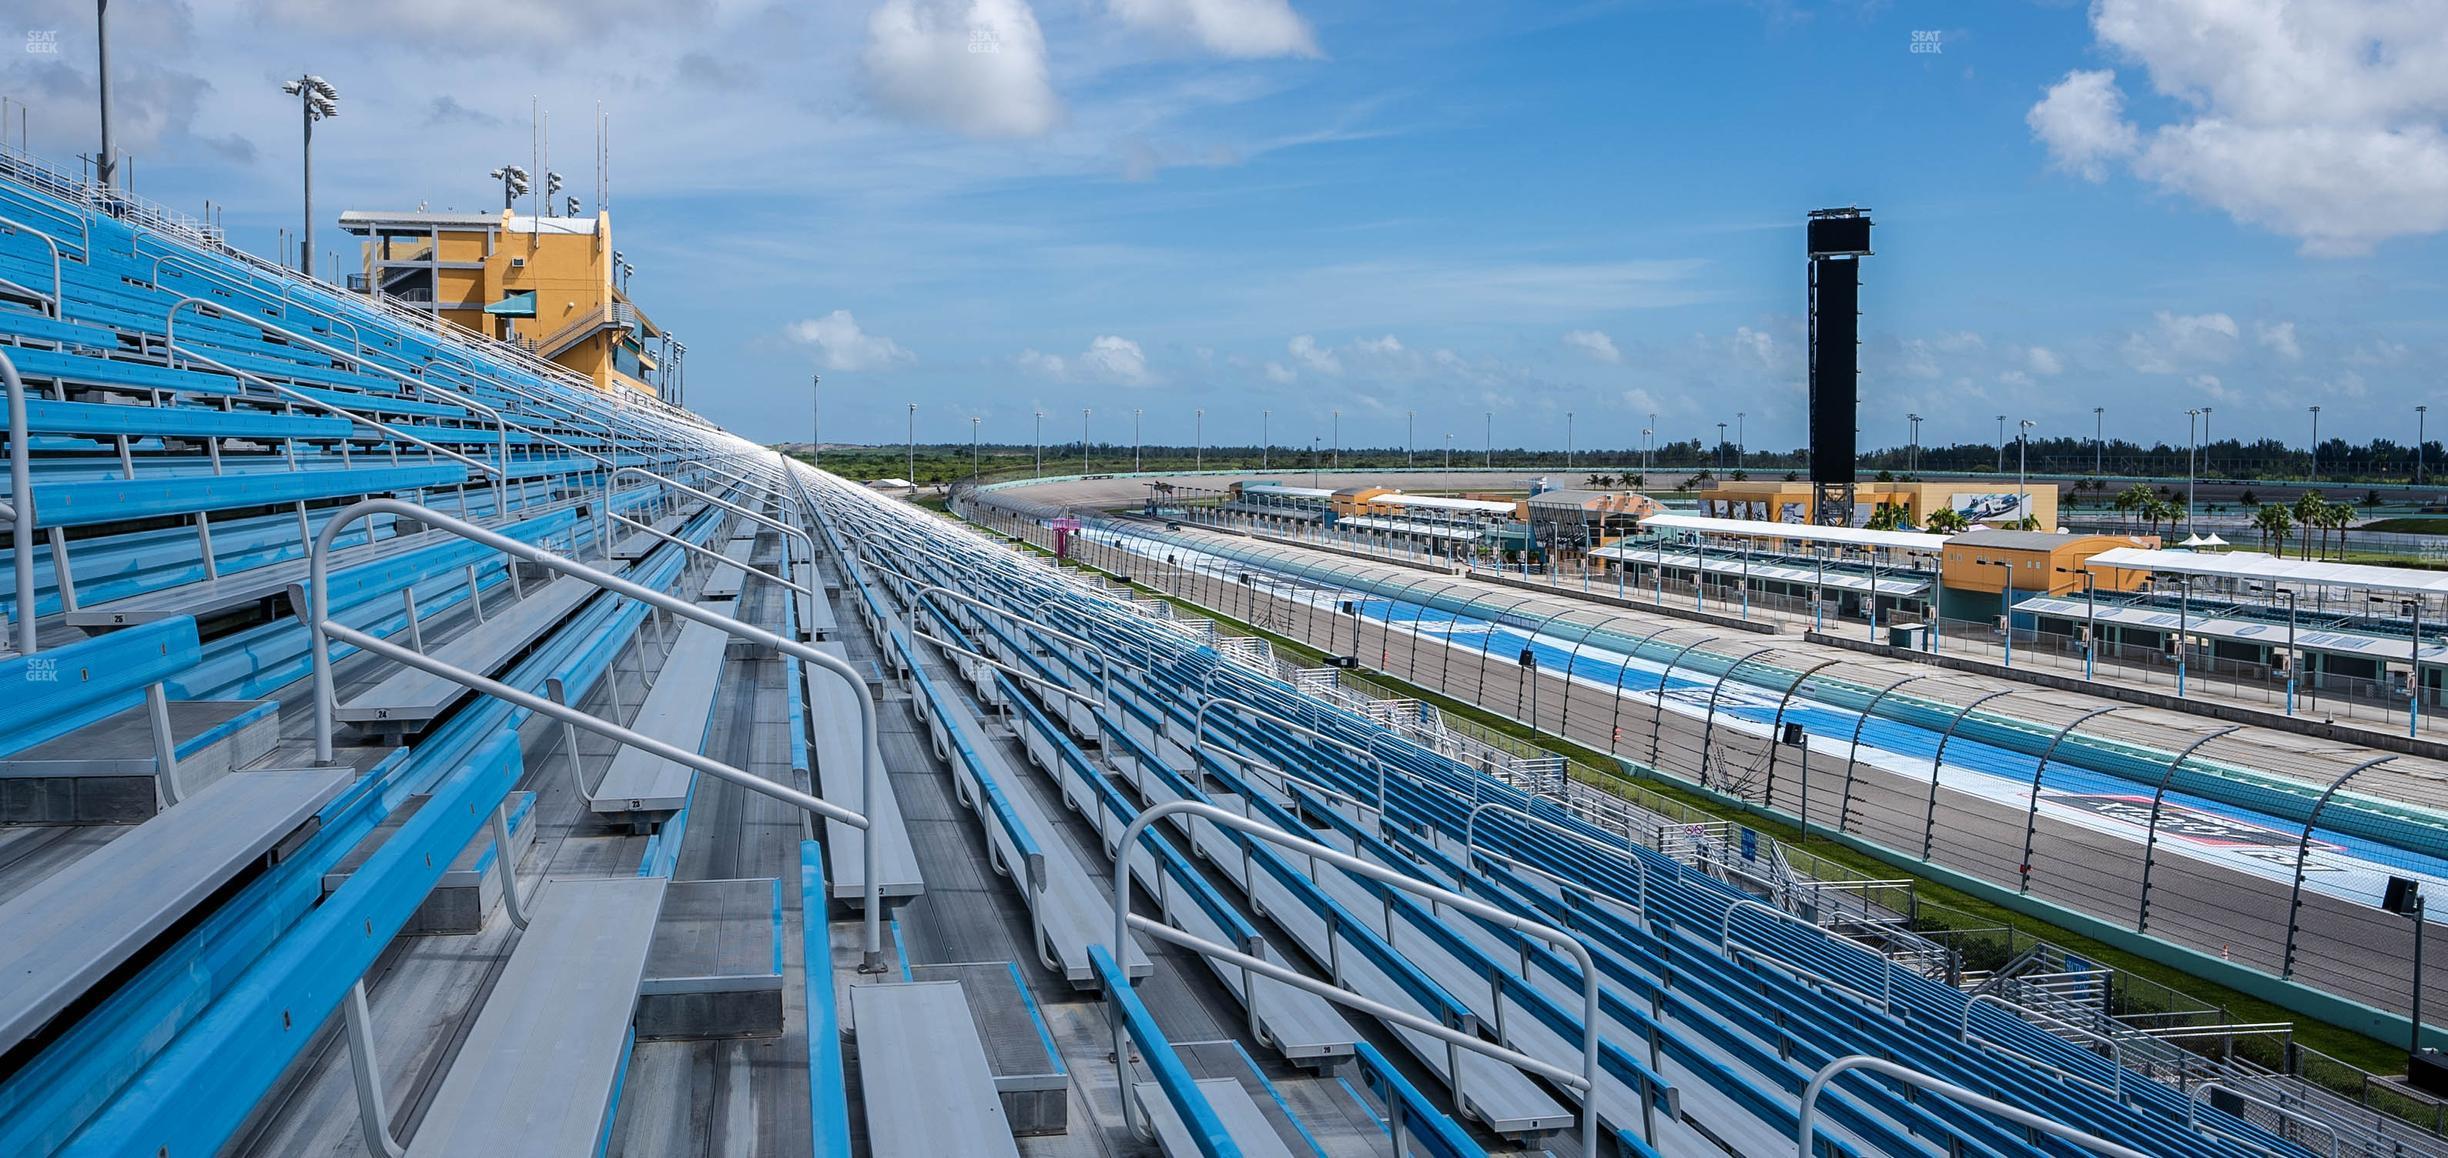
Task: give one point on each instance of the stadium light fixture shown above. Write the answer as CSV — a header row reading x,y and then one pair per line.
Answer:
x,y
317,99
514,183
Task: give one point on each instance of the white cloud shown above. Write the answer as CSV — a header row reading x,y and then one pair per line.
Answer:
x,y
1050,365
975,66
845,346
2209,384
1387,346
1238,28
1594,343
2082,121
1306,351
2317,119
1755,347
2043,361
2279,337
1108,359
1115,360
1279,373
2177,342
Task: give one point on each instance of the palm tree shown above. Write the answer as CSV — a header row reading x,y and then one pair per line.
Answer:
x,y
2308,509
1597,482
2133,499
1946,521
2274,521
2341,516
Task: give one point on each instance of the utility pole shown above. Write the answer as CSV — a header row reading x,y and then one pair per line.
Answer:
x,y
317,99
2316,444
2099,436
2192,452
106,166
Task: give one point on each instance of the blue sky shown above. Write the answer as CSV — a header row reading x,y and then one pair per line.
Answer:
x,y
1300,206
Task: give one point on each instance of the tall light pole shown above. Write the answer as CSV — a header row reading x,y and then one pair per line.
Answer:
x,y
2419,413
2316,444
1719,457
1912,453
2001,445
1491,438
1266,439
2022,474
1738,439
913,445
1198,439
1568,447
1135,443
815,420
2099,439
1410,434
1338,440
2192,451
1084,439
2205,442
1449,450
107,165
514,186
973,446
1041,443
317,99
1648,440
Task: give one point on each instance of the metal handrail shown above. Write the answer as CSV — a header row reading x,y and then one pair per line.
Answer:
x,y
1885,999
612,479
1470,844
296,395
323,628
2193,1101
1104,665
1585,1081
20,506
714,555
501,496
2019,1116
2116,1049
1208,699
59,299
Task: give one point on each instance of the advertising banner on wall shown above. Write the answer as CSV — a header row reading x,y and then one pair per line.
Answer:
x,y
1990,506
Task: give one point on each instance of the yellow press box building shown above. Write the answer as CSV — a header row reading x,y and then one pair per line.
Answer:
x,y
554,286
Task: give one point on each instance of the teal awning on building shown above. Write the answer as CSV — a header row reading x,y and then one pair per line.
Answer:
x,y
514,306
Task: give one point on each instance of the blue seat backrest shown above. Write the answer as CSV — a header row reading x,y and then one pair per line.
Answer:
x,y
52,693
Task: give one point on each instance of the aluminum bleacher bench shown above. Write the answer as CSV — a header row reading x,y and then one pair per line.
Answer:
x,y
923,1074
82,745
539,1072
410,698
381,567
75,927
645,788
728,578
638,544
115,373
44,416
838,753
152,495
1251,1132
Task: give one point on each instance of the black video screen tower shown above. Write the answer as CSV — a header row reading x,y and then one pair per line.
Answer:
x,y
1837,241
